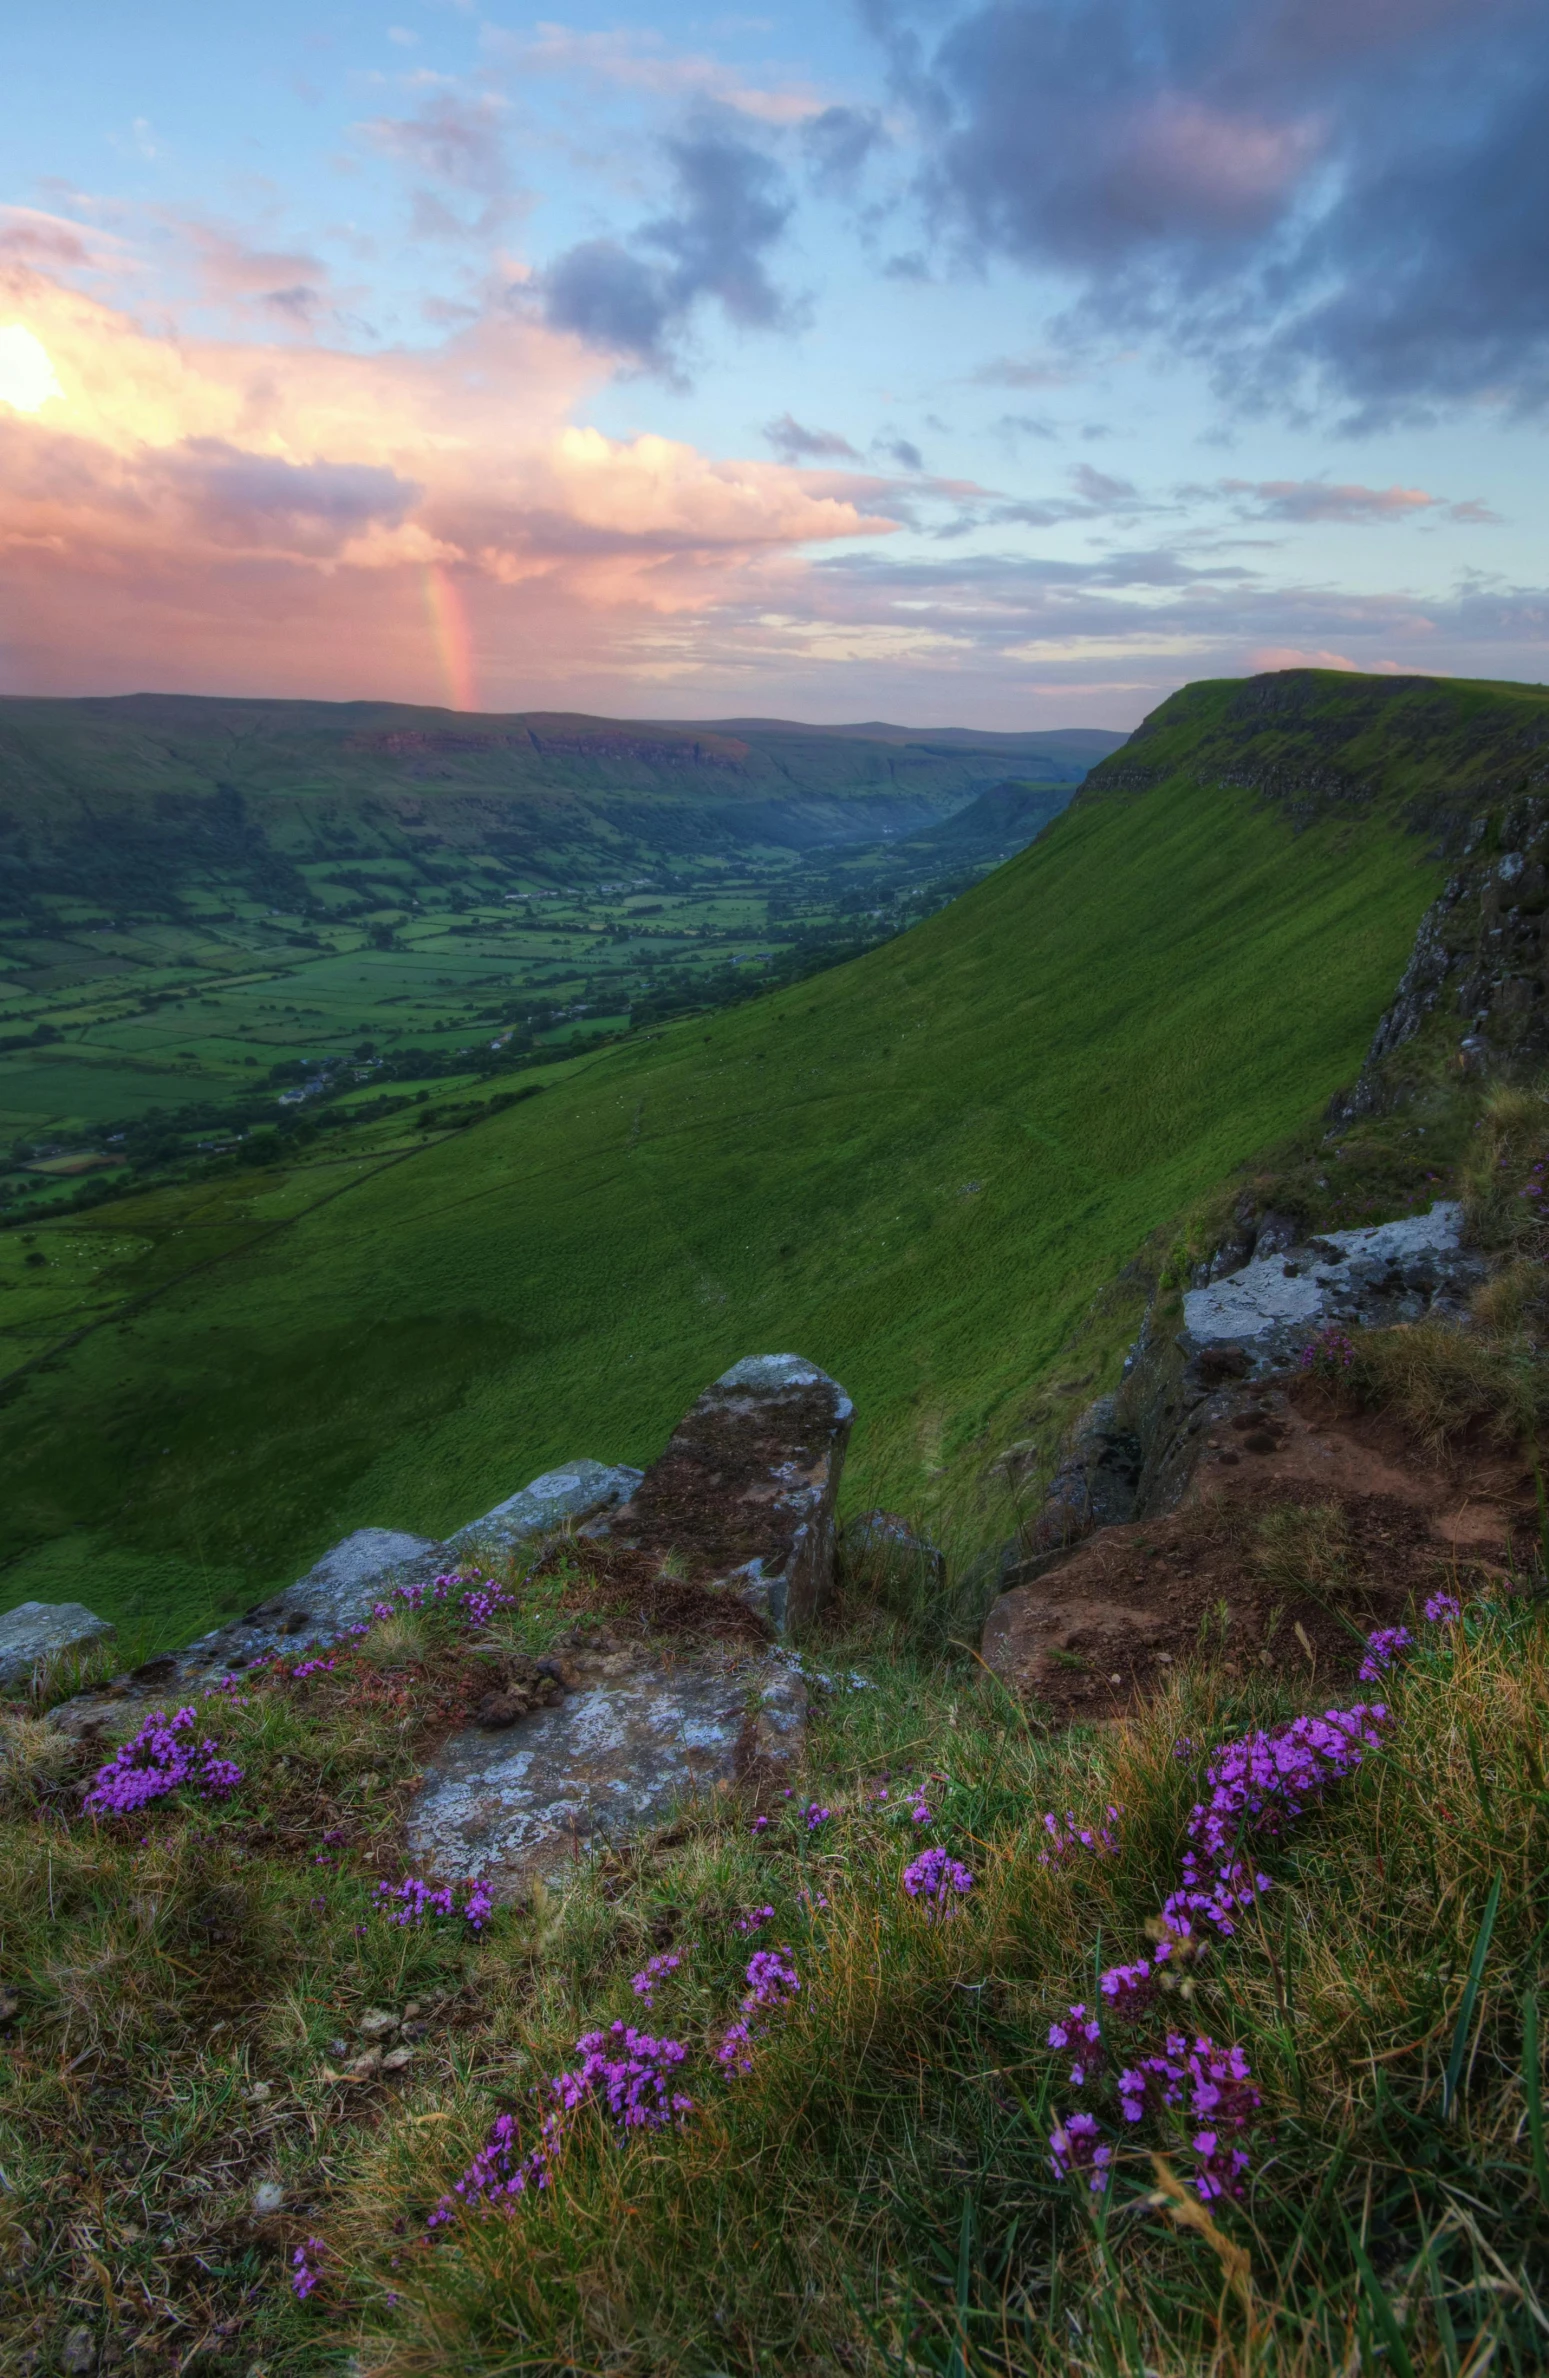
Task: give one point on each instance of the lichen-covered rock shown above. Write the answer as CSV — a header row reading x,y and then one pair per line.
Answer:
x,y
745,1490
33,1631
641,1737
560,1498
1352,1279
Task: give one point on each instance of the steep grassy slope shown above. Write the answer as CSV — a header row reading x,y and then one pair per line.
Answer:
x,y
918,1170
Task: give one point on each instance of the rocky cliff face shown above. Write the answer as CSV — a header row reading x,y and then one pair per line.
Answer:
x,y
1479,958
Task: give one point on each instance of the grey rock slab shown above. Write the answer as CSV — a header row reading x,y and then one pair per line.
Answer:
x,y
746,1487
642,1737
1391,1271
34,1630
337,1592
560,1498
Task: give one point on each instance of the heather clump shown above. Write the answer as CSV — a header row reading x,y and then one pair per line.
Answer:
x,y
1232,1963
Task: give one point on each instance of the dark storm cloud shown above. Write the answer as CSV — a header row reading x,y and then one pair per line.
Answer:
x,y
1344,194
732,206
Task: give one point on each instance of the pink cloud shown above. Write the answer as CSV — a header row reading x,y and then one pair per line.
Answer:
x,y
219,513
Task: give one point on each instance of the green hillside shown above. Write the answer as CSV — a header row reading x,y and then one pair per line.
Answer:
x,y
917,1169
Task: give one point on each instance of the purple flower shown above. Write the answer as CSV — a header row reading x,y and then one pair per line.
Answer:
x,y
921,1812
932,1877
1079,2147
772,1979
1329,1353
816,1816
306,2266
735,2050
656,1969
1443,1610
632,2083
482,1599
759,1825
1262,1782
754,1921
161,1758
1129,1990
1217,1898
1383,1646
1086,2037
1221,2098
417,1898
1101,1840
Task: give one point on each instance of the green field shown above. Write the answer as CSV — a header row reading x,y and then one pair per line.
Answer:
x,y
204,903
917,1169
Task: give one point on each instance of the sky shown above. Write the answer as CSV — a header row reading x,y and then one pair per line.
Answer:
x,y
991,363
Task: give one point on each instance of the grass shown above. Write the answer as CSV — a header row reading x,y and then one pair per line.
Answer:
x,y
919,1170
875,2196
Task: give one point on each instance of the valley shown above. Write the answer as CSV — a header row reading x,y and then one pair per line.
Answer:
x,y
926,1169
210,911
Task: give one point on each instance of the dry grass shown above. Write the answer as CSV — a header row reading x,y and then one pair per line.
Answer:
x,y
875,2196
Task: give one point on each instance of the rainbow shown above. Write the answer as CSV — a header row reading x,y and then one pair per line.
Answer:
x,y
448,619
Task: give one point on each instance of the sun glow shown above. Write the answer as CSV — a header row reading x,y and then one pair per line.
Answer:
x,y
27,378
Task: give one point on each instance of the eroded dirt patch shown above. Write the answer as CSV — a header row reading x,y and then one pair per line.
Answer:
x,y
1303,1528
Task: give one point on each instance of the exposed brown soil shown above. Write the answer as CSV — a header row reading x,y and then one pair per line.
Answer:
x,y
1304,1527
625,1588
721,1487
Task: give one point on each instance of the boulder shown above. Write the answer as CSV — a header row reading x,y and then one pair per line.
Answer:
x,y
33,1631
560,1498
641,1739
744,1492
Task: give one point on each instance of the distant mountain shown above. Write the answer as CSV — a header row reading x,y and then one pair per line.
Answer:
x,y
1002,820
131,796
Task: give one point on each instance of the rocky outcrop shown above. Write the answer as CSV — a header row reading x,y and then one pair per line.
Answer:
x,y
36,1631
745,1490
603,1737
560,1498
1276,1304
1245,1326
1095,1486
639,1739
1478,955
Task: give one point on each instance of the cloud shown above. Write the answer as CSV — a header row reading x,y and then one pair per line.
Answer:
x,y
638,59
837,144
1022,371
1345,203
903,451
51,241
793,443
1013,426
1304,500
732,206
241,516
287,284
1098,488
453,148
